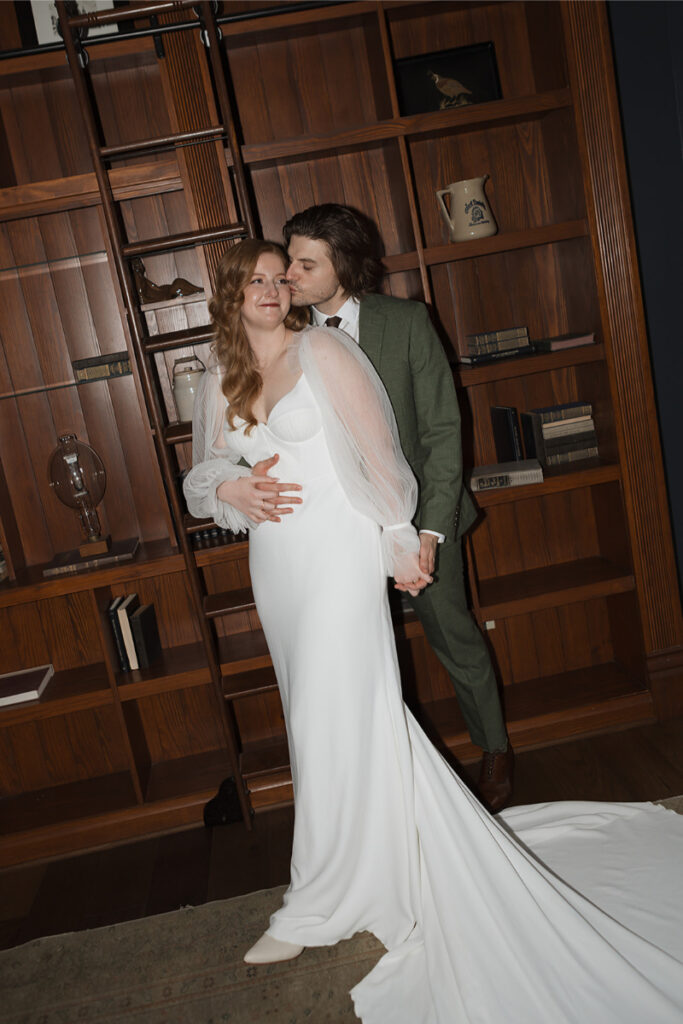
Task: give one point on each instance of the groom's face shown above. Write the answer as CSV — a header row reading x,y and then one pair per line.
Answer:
x,y
312,277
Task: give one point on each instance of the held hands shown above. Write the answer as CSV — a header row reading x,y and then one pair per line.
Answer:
x,y
260,497
411,578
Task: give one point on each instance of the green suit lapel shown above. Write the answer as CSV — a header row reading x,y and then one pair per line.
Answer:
x,y
371,325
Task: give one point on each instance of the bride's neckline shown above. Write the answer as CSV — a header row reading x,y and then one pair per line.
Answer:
x,y
264,423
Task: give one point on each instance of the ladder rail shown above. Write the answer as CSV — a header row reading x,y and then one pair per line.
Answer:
x,y
224,106
122,252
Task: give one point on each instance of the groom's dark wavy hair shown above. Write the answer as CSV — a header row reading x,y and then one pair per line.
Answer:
x,y
352,238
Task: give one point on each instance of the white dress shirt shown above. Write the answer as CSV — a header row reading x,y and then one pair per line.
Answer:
x,y
350,316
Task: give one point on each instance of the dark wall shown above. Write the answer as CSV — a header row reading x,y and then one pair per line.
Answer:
x,y
648,50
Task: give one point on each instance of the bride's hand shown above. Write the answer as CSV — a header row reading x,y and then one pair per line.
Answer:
x,y
410,578
259,497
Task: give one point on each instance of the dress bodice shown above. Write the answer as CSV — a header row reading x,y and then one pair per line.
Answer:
x,y
293,430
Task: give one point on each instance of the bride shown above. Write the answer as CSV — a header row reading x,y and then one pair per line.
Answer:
x,y
550,914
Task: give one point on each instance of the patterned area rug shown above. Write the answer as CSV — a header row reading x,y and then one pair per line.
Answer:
x,y
181,968
184,968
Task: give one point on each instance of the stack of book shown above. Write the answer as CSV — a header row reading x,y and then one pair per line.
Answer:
x,y
135,631
559,434
492,345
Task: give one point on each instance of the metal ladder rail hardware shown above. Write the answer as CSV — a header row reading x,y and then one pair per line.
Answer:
x,y
144,349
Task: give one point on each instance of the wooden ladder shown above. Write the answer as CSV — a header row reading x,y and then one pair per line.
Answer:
x,y
200,18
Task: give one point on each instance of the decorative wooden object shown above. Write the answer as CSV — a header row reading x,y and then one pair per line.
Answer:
x,y
572,579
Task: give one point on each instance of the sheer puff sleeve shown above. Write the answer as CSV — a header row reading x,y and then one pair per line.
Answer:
x,y
362,437
212,461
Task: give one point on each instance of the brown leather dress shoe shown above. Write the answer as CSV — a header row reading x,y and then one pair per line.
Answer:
x,y
495,779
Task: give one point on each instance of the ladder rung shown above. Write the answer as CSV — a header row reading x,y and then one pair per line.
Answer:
x,y
262,757
162,142
183,240
249,684
114,14
179,339
178,433
229,602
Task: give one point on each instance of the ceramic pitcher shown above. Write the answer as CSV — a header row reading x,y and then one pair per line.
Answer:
x,y
466,211
186,377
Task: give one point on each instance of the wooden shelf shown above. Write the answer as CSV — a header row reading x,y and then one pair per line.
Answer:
x,y
522,592
556,478
154,558
506,241
80,190
225,551
548,709
522,366
470,118
179,668
60,804
198,774
57,59
69,690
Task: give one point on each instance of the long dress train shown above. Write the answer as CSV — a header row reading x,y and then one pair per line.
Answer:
x,y
551,914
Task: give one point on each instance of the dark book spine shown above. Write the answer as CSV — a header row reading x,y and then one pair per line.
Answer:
x,y
490,357
532,432
552,413
118,639
143,624
560,458
506,433
572,442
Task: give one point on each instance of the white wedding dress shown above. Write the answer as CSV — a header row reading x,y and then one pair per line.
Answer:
x,y
550,914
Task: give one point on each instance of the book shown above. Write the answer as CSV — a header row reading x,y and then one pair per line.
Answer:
x,y
506,433
502,335
497,346
572,456
124,611
532,434
26,684
117,634
117,364
506,474
143,624
490,357
562,341
73,561
570,443
550,413
575,425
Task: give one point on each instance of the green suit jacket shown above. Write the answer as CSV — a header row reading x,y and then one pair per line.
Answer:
x,y
400,341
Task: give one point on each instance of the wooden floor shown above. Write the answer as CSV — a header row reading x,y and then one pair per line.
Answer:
x,y
157,875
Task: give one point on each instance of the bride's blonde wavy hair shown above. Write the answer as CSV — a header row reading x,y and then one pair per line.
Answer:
x,y
242,381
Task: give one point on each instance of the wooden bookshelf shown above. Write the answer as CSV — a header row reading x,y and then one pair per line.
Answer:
x,y
573,577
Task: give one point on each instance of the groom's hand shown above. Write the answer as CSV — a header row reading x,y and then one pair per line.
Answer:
x,y
427,557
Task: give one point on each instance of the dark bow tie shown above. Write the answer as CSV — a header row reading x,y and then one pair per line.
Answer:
x,y
333,321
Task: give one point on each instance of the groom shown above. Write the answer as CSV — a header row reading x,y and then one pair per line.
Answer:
x,y
336,271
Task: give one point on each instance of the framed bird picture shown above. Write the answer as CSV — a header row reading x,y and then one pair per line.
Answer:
x,y
447,79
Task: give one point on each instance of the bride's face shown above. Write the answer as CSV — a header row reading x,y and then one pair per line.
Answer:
x,y
267,296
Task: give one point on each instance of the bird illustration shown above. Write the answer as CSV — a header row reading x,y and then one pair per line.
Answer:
x,y
454,92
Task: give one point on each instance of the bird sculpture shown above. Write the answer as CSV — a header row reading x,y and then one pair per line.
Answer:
x,y
148,291
454,93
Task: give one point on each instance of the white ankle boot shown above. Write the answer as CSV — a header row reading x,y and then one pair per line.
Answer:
x,y
271,951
